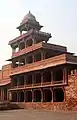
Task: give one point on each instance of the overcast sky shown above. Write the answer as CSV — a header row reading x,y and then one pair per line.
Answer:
x,y
59,17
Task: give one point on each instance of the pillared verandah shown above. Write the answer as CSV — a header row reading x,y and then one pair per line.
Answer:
x,y
38,70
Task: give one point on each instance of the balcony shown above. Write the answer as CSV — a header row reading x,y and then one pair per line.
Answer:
x,y
27,50
43,64
38,85
38,46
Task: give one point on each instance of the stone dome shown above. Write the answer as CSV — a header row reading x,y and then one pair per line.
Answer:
x,y
29,16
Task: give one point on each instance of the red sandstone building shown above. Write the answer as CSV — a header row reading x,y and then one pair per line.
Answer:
x,y
39,71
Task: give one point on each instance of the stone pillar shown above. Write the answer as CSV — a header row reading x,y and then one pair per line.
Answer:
x,y
7,93
25,43
13,50
33,78
32,96
33,58
20,32
11,82
10,96
41,77
64,94
25,59
1,95
54,98
25,77
18,46
65,75
52,77
33,40
52,94
17,82
17,96
24,95
42,54
41,95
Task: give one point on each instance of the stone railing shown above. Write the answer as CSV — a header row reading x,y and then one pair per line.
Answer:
x,y
50,62
27,50
38,84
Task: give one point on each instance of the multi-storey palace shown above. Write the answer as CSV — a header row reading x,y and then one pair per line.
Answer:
x,y
39,71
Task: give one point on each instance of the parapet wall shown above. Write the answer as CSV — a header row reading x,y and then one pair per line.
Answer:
x,y
4,73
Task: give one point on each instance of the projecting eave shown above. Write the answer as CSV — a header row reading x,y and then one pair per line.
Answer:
x,y
22,27
43,35
20,37
72,63
10,59
5,83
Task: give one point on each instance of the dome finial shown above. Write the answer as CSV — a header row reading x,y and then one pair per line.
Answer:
x,y
29,11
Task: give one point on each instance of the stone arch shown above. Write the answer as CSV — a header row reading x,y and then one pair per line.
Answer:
x,y
58,95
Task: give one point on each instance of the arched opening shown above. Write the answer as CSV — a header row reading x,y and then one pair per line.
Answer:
x,y
21,96
37,96
28,96
22,45
29,59
47,95
14,81
14,96
48,54
15,63
21,80
29,43
16,48
58,95
37,78
29,79
47,76
22,61
58,75
37,57
5,93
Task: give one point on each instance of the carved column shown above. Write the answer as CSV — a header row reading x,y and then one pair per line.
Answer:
x,y
11,82
17,97
41,77
25,77
25,43
42,54
1,95
65,75
32,95
17,81
25,59
41,95
33,57
51,76
33,40
24,95
52,94
20,32
32,79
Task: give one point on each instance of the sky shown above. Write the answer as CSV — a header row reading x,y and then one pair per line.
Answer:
x,y
59,17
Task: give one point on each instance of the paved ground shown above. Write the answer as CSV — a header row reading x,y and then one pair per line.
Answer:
x,y
36,115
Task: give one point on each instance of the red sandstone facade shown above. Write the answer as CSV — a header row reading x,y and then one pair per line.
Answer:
x,y
41,75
